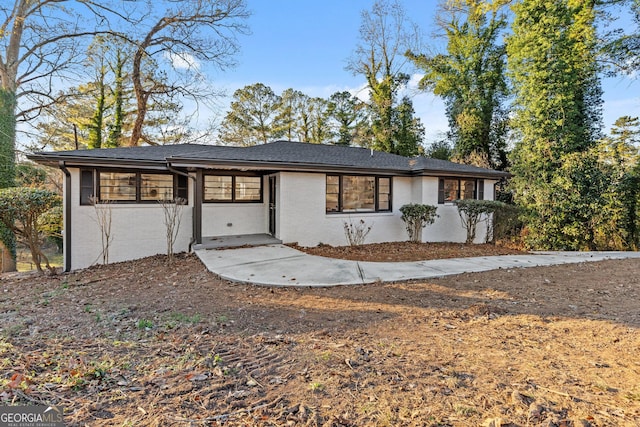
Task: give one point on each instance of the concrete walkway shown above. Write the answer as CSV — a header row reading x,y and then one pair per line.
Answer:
x,y
280,265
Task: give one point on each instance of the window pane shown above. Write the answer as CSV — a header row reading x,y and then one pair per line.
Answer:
x,y
451,190
156,187
117,186
218,188
248,188
384,192
358,193
468,189
333,193
183,188
86,187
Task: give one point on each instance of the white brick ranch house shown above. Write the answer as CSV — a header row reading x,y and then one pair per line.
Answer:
x,y
296,192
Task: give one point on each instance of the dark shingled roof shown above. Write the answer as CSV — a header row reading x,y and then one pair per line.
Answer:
x,y
274,155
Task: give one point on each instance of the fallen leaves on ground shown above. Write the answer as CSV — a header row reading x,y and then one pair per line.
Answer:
x,y
150,344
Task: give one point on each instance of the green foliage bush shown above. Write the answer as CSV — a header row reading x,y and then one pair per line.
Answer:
x,y
472,212
416,217
507,224
21,209
50,223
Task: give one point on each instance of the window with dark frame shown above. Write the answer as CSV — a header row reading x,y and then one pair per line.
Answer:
x,y
117,186
131,186
357,193
87,190
450,189
232,188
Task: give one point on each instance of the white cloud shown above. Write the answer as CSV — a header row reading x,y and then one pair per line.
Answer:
x,y
182,61
414,81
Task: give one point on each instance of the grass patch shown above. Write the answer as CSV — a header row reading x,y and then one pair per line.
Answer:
x,y
24,262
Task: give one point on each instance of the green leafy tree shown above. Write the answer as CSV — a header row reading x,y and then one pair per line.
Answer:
x,y
386,34
440,149
66,124
7,170
470,77
21,209
30,175
552,63
50,224
99,113
106,57
253,116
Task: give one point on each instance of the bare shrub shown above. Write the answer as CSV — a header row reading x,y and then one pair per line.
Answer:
x,y
103,218
356,233
172,219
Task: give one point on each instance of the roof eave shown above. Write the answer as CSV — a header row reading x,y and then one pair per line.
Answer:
x,y
53,160
469,174
280,166
74,161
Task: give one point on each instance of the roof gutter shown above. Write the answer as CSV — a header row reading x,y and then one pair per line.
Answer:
x,y
78,161
67,216
284,166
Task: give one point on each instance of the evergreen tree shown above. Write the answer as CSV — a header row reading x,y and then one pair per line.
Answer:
x,y
348,114
115,128
618,223
319,114
410,130
291,103
253,117
97,120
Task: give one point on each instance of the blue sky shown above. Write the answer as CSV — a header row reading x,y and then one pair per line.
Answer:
x,y
305,45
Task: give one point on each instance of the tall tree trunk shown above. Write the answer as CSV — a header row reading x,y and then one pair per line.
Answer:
x,y
116,129
7,137
7,171
141,95
97,121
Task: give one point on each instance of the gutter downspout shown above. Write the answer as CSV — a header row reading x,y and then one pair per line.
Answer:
x,y
67,216
195,213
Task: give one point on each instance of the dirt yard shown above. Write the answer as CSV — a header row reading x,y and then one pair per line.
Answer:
x,y
146,344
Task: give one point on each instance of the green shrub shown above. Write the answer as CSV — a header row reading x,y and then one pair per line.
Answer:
x,y
50,223
508,224
472,212
416,217
21,209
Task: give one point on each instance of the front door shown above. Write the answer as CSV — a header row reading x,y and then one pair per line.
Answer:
x,y
272,205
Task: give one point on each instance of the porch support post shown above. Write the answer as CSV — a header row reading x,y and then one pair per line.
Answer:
x,y
197,207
